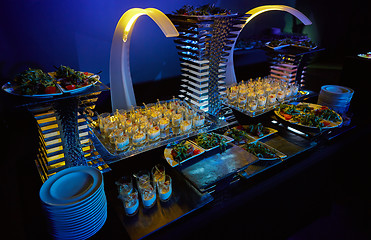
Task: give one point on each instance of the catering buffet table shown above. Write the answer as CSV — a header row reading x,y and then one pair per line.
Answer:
x,y
222,191
270,197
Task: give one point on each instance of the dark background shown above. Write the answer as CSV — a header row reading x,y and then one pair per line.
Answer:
x,y
41,34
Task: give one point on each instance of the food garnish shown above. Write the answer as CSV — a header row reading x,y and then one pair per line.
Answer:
x,y
70,79
308,116
205,10
183,150
259,150
210,140
35,81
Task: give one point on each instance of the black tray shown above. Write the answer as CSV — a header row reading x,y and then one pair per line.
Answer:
x,y
215,166
184,200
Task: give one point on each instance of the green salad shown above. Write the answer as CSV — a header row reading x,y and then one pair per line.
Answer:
x,y
259,150
210,140
205,10
34,81
308,116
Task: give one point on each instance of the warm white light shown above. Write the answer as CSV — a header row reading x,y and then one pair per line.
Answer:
x,y
122,93
129,25
259,10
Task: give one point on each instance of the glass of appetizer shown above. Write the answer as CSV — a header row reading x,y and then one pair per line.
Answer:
x,y
165,188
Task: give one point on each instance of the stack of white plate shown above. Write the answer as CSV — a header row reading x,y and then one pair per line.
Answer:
x,y
335,97
75,202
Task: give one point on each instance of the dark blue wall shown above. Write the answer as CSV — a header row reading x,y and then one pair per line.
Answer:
x,y
78,33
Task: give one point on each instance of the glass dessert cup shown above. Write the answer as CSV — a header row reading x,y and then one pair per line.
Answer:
x,y
139,138
122,143
125,185
130,202
153,134
185,126
163,123
146,188
158,174
165,189
148,195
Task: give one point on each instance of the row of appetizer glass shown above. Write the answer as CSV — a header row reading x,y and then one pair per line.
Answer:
x,y
148,124
261,93
148,185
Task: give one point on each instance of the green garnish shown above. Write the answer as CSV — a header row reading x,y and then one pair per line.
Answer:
x,y
33,81
259,150
208,9
210,140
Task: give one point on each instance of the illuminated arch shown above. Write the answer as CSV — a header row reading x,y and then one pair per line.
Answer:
x,y
259,10
230,74
122,92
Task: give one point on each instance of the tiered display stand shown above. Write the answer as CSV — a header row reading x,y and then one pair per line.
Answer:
x,y
204,46
64,135
290,63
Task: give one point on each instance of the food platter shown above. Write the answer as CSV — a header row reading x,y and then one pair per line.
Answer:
x,y
13,89
224,138
278,44
170,159
309,115
93,80
246,133
259,149
197,150
35,83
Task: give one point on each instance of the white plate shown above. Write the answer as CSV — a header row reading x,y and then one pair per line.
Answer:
x,y
84,233
82,222
77,90
78,212
74,207
315,107
11,88
70,186
280,154
169,158
337,92
228,140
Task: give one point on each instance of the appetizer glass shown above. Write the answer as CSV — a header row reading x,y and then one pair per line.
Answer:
x,y
130,202
146,189
198,119
125,184
102,120
158,174
122,143
153,133
165,189
163,123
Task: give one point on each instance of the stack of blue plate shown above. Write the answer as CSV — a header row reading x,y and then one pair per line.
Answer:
x,y
335,97
75,202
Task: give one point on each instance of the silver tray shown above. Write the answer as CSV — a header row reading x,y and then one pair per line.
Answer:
x,y
279,154
111,155
301,94
174,163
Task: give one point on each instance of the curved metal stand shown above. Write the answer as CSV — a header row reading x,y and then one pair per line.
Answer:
x,y
122,92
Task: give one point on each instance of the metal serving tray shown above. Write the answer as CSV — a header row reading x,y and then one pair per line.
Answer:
x,y
184,200
111,155
214,167
301,95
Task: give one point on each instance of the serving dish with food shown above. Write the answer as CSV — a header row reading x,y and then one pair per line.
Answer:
x,y
309,115
36,83
210,141
33,83
249,133
73,81
281,43
263,151
180,151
